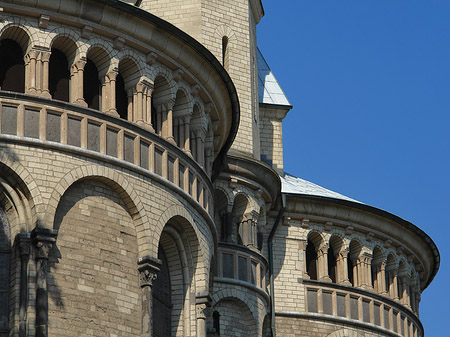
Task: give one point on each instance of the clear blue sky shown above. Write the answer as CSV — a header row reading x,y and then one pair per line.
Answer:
x,y
370,85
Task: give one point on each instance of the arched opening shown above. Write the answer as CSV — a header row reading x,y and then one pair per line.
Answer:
x,y
62,57
5,256
91,85
314,241
222,218
179,244
391,268
12,66
127,78
331,264
334,271
216,322
245,223
59,75
375,268
162,299
180,110
162,93
96,79
236,318
121,97
195,134
353,255
225,52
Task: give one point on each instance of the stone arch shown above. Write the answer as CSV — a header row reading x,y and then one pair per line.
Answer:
x,y
229,307
222,215
17,175
101,55
24,38
315,242
95,218
188,268
190,226
119,184
163,86
335,247
66,40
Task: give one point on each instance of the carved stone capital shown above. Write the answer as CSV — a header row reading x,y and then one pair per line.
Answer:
x,y
43,240
24,244
149,268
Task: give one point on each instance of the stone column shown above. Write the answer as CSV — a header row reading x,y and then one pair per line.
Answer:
x,y
169,124
25,250
187,138
149,268
45,59
322,262
43,240
381,279
342,267
30,71
76,74
110,93
148,119
202,302
363,270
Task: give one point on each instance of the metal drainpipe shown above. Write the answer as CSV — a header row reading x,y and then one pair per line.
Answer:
x,y
269,243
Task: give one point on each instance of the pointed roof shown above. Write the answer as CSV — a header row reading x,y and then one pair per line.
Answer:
x,y
269,89
294,185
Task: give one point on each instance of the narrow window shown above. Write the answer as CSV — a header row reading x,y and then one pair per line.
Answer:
x,y
350,270
216,322
225,52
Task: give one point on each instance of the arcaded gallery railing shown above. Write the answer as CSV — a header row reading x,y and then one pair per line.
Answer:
x,y
348,303
241,264
72,128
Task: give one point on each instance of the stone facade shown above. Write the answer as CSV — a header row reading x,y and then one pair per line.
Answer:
x,y
142,189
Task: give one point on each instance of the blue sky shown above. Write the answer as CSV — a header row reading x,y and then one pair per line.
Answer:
x,y
370,85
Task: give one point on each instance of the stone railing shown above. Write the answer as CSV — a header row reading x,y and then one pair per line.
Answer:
x,y
48,123
361,307
241,264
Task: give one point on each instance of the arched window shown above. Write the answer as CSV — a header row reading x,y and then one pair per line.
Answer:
x,y
353,255
5,254
225,52
216,322
91,85
59,75
311,260
162,303
12,66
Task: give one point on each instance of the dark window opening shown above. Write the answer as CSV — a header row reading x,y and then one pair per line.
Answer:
x,y
91,85
12,66
59,75
331,265
216,322
225,52
350,271
311,260
121,98
154,122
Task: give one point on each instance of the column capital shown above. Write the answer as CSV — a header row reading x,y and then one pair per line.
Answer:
x,y
24,241
43,240
149,268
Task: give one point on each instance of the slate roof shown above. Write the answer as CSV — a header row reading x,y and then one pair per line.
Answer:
x,y
269,89
295,185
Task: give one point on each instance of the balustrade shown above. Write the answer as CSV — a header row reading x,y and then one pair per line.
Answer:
x,y
48,122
